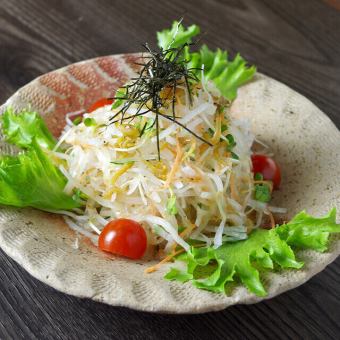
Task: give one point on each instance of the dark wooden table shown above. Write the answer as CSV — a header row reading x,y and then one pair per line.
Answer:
x,y
294,41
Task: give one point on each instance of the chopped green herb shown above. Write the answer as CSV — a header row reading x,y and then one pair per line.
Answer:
x,y
258,176
224,127
89,121
231,142
262,193
157,229
234,156
119,98
77,121
230,138
171,207
122,161
148,127
211,131
78,195
180,229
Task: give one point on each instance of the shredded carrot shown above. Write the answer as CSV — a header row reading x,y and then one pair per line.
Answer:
x,y
201,152
175,166
250,211
169,258
169,147
163,146
166,259
173,248
216,154
228,154
191,150
196,178
166,92
187,230
183,234
178,101
272,220
202,148
179,94
217,135
233,191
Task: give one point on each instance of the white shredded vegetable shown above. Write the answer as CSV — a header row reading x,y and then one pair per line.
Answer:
x,y
117,170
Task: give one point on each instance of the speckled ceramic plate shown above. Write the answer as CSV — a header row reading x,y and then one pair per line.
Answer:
x,y
304,140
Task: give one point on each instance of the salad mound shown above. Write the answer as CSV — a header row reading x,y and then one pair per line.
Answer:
x,y
204,191
164,169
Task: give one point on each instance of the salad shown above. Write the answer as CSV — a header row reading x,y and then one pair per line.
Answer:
x,y
162,170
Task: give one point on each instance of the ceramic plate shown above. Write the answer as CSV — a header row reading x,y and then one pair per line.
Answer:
x,y
306,145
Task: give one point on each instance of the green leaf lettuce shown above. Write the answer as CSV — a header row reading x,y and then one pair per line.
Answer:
x,y
30,178
211,269
20,129
228,75
177,35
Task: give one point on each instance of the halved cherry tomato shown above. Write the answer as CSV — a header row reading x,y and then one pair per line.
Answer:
x,y
123,237
99,103
268,168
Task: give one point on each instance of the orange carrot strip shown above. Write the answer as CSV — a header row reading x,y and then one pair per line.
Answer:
x,y
166,259
175,166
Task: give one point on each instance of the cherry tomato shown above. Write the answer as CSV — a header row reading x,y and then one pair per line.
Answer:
x,y
268,168
99,103
123,237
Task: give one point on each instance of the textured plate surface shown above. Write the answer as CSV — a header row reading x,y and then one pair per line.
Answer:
x,y
306,145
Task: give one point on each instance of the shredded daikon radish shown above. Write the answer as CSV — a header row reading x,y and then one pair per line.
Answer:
x,y
278,210
117,170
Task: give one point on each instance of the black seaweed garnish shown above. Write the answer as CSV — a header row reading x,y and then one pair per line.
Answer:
x,y
160,75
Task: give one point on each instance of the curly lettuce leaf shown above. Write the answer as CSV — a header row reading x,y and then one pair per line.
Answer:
x,y
177,35
228,75
20,129
211,269
307,232
30,179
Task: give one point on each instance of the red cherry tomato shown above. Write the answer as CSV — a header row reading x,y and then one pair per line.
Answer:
x,y
268,168
99,103
123,237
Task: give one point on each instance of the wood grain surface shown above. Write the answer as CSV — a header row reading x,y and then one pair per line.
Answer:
x,y
296,42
